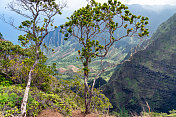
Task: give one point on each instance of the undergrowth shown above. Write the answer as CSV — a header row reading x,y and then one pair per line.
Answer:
x,y
64,97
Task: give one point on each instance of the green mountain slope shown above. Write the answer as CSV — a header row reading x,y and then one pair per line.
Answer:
x,y
150,77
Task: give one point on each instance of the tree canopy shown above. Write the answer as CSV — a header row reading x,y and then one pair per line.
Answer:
x,y
87,25
40,17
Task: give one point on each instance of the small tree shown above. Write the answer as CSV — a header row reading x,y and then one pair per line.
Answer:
x,y
9,52
1,36
89,23
40,14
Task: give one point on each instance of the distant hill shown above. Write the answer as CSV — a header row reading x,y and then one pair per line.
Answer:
x,y
149,77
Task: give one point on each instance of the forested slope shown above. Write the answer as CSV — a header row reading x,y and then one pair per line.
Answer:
x,y
150,76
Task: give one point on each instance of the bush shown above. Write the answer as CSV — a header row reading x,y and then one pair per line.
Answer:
x,y
100,103
4,81
63,96
11,97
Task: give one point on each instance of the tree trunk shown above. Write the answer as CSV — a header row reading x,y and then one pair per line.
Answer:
x,y
5,58
88,101
25,98
86,90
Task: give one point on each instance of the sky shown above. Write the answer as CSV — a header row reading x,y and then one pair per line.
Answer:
x,y
72,5
75,4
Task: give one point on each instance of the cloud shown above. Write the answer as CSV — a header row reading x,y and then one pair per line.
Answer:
x,y
152,2
4,4
75,4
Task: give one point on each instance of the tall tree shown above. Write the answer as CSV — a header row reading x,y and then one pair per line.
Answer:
x,y
89,23
40,17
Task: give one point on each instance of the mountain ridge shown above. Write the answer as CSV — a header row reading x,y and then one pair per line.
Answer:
x,y
149,77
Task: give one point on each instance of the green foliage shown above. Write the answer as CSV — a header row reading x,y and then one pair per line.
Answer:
x,y
37,31
16,63
125,113
113,57
42,75
75,89
100,102
1,36
154,114
10,101
64,96
96,18
138,78
143,114
4,81
11,57
37,26
87,23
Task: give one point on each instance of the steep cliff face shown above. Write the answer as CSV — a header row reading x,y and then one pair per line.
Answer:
x,y
56,39
150,76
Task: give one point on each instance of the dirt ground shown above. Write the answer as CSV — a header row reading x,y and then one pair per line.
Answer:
x,y
49,113
75,113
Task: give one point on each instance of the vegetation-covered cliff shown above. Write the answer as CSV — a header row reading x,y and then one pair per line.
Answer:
x,y
150,76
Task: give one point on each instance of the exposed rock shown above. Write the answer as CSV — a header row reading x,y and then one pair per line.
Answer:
x,y
70,69
62,70
73,68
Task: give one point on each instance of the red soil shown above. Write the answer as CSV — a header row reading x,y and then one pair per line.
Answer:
x,y
49,113
75,113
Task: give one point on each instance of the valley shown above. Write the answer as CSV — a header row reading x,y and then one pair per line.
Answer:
x,y
66,51
103,61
